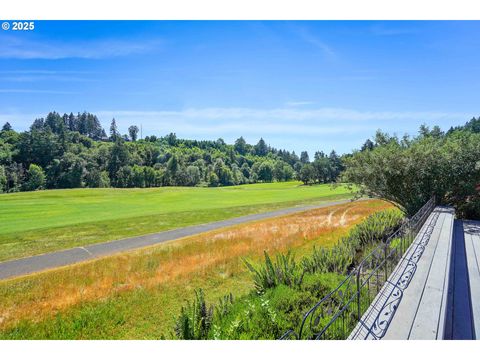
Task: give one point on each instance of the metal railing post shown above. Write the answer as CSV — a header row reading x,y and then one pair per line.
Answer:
x,y
359,310
402,242
385,260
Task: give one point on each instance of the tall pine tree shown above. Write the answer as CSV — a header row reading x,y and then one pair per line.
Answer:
x,y
113,130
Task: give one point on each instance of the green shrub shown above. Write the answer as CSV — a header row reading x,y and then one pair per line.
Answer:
x,y
224,305
409,171
195,320
336,259
341,257
271,314
36,178
270,274
376,227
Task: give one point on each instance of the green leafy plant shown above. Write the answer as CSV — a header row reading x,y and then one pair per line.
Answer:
x,y
376,227
284,270
341,257
195,320
336,259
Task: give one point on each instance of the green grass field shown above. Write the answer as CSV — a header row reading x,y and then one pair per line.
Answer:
x,y
38,222
137,294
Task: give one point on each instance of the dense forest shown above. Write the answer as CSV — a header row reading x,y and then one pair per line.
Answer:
x,y
73,151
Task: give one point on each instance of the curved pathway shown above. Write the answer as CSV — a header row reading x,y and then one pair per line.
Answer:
x,y
55,259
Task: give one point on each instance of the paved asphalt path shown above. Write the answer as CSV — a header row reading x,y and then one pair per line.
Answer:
x,y
55,259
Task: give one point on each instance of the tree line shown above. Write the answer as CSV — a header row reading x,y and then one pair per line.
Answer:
x,y
74,151
409,170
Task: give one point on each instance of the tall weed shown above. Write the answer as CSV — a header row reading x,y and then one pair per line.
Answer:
x,y
284,270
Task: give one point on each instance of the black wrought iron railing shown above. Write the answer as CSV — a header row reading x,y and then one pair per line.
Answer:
x,y
335,316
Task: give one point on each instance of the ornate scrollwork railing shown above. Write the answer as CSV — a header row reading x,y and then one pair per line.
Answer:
x,y
337,314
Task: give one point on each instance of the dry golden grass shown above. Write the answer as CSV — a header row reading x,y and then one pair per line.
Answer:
x,y
214,255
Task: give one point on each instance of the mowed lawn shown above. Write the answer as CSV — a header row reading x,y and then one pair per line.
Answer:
x,y
135,295
38,222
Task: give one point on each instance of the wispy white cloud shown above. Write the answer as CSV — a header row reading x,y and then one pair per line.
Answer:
x,y
21,48
35,91
280,121
35,78
357,78
294,128
43,72
289,114
306,35
275,120
33,75
210,125
299,103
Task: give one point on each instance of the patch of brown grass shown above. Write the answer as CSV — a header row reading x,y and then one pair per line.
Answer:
x,y
214,254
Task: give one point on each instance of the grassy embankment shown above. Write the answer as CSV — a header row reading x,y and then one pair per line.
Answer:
x,y
43,221
136,294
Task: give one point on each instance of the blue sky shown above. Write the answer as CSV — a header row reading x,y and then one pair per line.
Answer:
x,y
318,85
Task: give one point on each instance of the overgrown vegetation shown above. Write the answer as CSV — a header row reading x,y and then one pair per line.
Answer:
x,y
283,271
341,258
196,318
408,171
284,288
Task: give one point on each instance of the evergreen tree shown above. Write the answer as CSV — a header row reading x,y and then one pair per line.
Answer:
x,y
261,148
114,131
318,155
367,145
55,122
38,124
172,139
304,158
240,146
172,164
473,125
72,124
7,127
119,157
172,170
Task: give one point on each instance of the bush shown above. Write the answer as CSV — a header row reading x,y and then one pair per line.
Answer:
x,y
409,171
270,315
97,179
3,179
36,178
270,274
195,319
337,259
377,227
341,257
